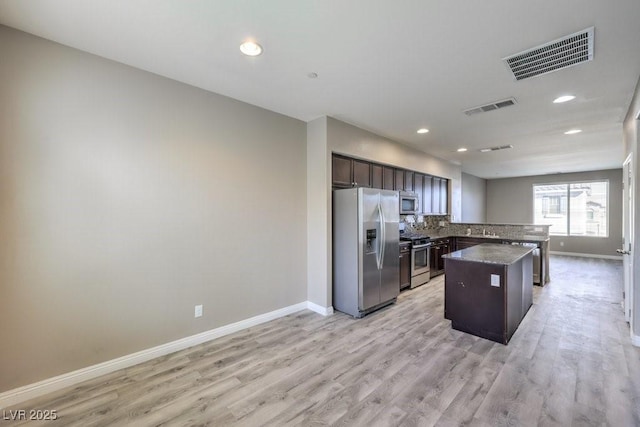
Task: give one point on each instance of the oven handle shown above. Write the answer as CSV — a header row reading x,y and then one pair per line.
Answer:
x,y
426,245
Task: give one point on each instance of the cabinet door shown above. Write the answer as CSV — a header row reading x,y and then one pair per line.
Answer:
x,y
341,171
376,176
408,181
388,176
433,259
418,179
399,180
446,249
361,173
444,196
405,269
467,242
427,190
435,195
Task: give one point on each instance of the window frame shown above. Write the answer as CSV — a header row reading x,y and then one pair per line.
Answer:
x,y
568,184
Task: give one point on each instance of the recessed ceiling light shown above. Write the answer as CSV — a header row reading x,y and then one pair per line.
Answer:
x,y
573,131
461,150
564,98
251,48
423,130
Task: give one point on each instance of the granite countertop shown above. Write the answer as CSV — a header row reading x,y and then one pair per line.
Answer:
x,y
525,238
490,253
436,234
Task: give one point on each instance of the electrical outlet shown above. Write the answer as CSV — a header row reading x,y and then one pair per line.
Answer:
x,y
495,280
561,243
198,311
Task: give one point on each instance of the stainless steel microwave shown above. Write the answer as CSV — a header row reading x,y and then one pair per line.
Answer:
x,y
409,203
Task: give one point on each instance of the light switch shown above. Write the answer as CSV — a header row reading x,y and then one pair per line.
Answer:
x,y
495,280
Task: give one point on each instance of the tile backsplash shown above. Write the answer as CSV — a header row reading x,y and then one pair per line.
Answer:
x,y
426,222
441,224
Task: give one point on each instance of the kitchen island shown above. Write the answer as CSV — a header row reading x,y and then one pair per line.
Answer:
x,y
488,289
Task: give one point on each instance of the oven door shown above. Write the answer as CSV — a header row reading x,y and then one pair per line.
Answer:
x,y
420,259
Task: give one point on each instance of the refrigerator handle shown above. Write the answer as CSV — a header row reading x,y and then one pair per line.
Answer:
x,y
383,237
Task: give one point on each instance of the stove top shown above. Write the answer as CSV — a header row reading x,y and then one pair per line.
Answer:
x,y
412,236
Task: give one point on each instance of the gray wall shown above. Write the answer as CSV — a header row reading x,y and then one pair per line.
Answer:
x,y
126,199
318,213
510,201
474,199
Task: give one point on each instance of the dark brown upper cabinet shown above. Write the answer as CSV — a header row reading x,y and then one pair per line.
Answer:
x,y
444,196
341,171
439,195
427,186
361,173
432,191
435,196
376,176
418,185
347,172
408,181
388,178
399,180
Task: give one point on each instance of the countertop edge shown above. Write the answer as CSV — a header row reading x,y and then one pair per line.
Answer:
x,y
460,257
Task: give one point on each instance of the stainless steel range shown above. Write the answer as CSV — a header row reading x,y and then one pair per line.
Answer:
x,y
420,248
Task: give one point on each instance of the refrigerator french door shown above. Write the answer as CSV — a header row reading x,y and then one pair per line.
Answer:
x,y
366,265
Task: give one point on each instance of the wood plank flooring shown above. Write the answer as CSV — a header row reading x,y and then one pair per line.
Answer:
x,y
569,363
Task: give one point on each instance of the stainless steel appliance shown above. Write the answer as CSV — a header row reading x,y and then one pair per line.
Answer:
x,y
420,258
408,203
366,273
536,259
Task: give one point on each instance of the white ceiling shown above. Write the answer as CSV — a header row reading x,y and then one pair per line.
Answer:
x,y
387,66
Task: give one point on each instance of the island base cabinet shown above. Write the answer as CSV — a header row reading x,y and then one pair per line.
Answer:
x,y
487,300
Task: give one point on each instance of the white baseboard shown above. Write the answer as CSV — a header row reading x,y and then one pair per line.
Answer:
x,y
635,340
22,394
325,311
615,257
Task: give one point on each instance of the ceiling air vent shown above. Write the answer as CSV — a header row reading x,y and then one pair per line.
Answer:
x,y
490,107
553,56
501,147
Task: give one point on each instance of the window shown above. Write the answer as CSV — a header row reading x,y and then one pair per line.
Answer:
x,y
572,209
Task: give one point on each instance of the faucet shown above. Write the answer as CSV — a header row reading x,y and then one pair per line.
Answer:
x,y
484,232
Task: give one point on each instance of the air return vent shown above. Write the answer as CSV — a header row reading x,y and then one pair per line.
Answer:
x,y
490,107
501,147
553,56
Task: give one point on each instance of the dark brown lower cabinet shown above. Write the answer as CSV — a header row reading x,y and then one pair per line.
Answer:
x,y
467,242
405,265
438,248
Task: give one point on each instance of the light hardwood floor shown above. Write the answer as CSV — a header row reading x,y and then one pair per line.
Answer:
x,y
569,363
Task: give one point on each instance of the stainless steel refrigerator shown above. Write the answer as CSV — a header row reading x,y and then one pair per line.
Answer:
x,y
366,253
